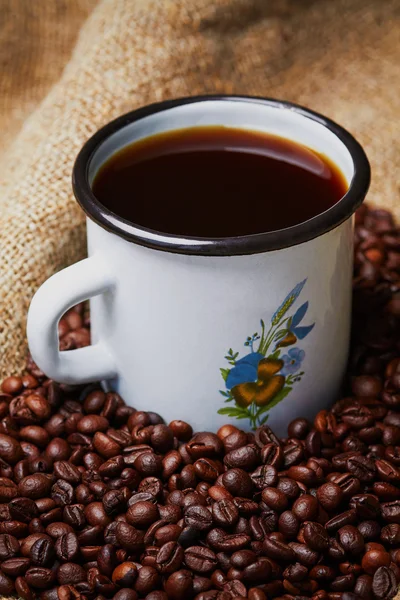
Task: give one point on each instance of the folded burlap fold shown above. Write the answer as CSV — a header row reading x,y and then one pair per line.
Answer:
x,y
338,57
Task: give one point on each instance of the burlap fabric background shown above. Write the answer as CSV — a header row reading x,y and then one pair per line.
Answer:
x,y
340,57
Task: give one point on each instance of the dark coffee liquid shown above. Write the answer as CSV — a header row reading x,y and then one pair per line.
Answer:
x,y
217,182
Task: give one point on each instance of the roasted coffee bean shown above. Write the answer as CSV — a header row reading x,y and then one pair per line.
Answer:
x,y
167,533
200,559
169,558
35,486
90,535
73,515
271,454
6,585
125,574
288,524
129,594
9,546
385,491
70,573
15,567
128,537
22,588
207,469
57,529
390,534
223,542
67,547
363,587
142,514
303,475
40,577
225,513
384,583
289,487
362,468
23,509
238,482
375,558
67,471
387,471
316,536
95,514
391,511
274,499
10,449
346,518
181,430
366,506
370,530
244,457
147,580
330,495
298,428
304,555
28,542
351,539
348,483
278,550
42,552
199,517
105,446
106,559
265,476
305,508
179,585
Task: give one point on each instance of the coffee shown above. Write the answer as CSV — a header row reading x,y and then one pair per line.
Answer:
x,y
218,182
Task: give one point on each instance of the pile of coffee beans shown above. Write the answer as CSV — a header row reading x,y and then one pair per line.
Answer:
x,y
100,501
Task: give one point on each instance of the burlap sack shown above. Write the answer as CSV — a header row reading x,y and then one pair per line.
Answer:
x,y
337,56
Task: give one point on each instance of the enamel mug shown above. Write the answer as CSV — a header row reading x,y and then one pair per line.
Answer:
x,y
247,330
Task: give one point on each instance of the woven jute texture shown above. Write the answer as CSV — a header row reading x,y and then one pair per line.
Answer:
x,y
339,57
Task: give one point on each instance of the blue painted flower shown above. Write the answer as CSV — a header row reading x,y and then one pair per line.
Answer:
x,y
244,370
292,361
300,332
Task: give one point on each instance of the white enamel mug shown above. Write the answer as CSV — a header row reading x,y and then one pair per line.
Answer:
x,y
246,329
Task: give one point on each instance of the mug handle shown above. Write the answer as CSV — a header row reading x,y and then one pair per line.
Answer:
x,y
63,290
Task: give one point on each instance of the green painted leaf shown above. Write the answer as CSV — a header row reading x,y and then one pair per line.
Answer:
x,y
280,334
264,419
225,373
239,413
275,355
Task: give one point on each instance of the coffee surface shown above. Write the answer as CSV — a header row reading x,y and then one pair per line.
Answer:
x,y
217,182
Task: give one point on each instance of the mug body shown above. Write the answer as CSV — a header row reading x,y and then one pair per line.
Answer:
x,y
248,329
251,329
208,339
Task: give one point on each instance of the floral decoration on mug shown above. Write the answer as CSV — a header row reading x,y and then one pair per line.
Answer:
x,y
264,377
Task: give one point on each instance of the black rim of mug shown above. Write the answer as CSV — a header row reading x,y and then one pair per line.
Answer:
x,y
228,246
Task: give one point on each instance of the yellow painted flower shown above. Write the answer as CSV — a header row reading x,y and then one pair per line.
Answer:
x,y
268,384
